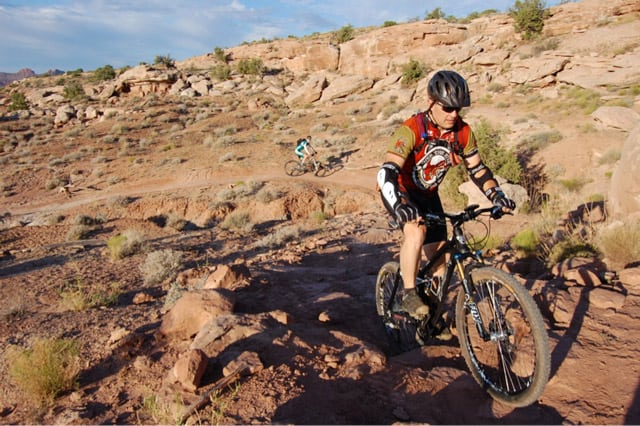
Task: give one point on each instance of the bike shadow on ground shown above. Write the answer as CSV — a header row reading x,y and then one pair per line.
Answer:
x,y
336,162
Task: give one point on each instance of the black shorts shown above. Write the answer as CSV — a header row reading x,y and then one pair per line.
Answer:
x,y
429,204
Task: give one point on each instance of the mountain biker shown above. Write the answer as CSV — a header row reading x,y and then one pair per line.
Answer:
x,y
419,155
304,149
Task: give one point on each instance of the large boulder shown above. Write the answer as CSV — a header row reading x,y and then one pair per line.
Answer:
x,y
615,117
193,310
624,191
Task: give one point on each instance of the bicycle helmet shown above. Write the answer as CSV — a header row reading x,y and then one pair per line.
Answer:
x,y
449,89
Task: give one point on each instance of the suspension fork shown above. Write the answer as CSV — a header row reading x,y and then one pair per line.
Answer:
x,y
469,289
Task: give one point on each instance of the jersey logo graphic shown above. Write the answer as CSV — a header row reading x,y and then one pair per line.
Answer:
x,y
430,170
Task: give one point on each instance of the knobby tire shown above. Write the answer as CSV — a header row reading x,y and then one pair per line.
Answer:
x,y
401,329
293,168
513,366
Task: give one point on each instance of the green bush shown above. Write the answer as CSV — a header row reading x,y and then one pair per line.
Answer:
x,y
344,34
103,73
18,102
164,60
126,244
436,13
253,66
501,161
572,247
221,72
48,368
413,71
73,90
529,16
587,100
526,241
220,54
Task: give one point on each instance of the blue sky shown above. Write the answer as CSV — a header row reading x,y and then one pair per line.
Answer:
x,y
87,34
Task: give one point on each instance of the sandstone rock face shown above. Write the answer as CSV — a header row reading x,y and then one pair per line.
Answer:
x,y
624,192
619,118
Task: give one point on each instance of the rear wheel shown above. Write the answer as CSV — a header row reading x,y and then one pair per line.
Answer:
x,y
511,361
293,168
400,327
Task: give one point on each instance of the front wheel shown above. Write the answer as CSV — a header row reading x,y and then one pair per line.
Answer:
x,y
293,168
503,338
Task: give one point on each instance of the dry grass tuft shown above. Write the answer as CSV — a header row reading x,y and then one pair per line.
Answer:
x,y
47,369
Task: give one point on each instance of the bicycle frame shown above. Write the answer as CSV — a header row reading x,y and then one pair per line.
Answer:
x,y
456,248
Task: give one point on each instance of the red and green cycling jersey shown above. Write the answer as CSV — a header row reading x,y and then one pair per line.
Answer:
x,y
428,152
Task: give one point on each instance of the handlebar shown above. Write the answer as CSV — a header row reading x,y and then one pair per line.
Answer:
x,y
470,213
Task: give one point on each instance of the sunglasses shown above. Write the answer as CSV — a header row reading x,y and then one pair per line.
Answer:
x,y
449,110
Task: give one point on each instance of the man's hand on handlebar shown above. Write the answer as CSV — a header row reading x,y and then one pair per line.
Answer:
x,y
503,204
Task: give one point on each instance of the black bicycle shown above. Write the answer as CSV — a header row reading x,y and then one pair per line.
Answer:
x,y
500,329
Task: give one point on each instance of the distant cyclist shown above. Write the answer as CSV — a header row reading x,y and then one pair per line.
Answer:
x,y
304,149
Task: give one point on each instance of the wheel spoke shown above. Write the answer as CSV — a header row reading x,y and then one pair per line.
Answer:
x,y
514,351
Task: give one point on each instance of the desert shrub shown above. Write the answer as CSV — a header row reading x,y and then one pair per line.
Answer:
x,y
413,71
87,220
266,195
160,411
15,309
46,369
177,222
220,72
280,237
126,244
610,157
240,190
119,201
220,54
73,90
525,241
620,241
238,220
18,102
496,87
103,73
448,190
529,16
585,99
161,265
164,60
551,43
253,66
344,34
574,184
436,13
539,140
501,161
75,296
389,24
79,232
571,247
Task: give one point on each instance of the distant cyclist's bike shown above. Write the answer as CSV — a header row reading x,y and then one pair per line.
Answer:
x,y
500,329
296,168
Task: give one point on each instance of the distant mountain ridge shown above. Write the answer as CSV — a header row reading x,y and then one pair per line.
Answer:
x,y
8,77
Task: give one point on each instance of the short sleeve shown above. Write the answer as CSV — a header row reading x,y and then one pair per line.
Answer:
x,y
402,142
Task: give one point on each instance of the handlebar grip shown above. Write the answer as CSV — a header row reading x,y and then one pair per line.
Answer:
x,y
497,212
